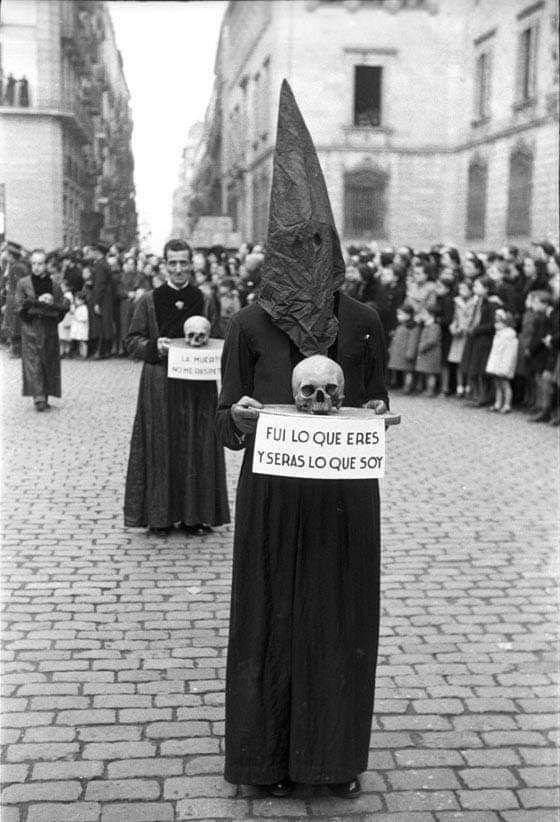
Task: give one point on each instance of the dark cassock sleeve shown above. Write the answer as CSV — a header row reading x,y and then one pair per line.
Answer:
x,y
138,342
375,388
29,307
237,381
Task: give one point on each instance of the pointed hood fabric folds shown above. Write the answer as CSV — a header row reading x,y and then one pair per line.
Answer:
x,y
303,266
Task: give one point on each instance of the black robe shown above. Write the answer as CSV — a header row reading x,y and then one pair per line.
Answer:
x,y
305,592
103,296
176,468
40,358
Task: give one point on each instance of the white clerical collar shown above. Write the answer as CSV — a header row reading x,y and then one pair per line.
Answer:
x,y
177,287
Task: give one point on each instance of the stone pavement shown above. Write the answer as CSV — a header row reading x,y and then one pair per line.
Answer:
x,y
115,641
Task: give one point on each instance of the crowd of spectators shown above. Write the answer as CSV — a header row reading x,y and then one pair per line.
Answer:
x,y
103,284
482,328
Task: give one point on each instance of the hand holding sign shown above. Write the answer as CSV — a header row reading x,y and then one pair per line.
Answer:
x,y
245,414
162,345
376,405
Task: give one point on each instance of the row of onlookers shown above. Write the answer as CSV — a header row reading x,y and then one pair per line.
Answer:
x,y
482,328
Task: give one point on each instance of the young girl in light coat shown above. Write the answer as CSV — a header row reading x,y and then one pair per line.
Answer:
x,y
502,360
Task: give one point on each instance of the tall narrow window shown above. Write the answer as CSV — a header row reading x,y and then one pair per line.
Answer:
x,y
527,64
233,207
520,192
365,203
260,206
476,199
482,86
367,95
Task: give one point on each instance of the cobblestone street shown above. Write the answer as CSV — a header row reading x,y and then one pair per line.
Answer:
x,y
115,641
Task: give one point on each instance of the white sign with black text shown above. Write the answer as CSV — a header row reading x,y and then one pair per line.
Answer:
x,y
349,444
186,363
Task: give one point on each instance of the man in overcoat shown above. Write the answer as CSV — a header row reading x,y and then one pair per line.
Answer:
x,y
104,300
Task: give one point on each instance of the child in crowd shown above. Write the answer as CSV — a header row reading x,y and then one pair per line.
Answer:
x,y
402,350
445,310
420,290
524,375
94,322
428,359
479,342
65,327
543,350
502,360
459,325
79,329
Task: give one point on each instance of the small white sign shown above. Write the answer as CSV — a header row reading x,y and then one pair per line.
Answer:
x,y
185,363
348,444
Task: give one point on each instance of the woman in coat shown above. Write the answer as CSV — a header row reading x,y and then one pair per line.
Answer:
x,y
479,342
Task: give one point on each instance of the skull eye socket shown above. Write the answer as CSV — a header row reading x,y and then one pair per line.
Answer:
x,y
331,389
307,390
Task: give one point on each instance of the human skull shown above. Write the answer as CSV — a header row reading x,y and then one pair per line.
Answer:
x,y
318,385
197,331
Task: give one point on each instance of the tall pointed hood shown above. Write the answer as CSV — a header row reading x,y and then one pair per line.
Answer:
x,y
303,266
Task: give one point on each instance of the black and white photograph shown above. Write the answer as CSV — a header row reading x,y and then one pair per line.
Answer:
x,y
279,410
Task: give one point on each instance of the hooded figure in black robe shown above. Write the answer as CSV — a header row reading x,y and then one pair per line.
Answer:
x,y
305,592
176,468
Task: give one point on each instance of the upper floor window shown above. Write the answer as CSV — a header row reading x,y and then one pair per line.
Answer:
x,y
367,95
482,85
527,64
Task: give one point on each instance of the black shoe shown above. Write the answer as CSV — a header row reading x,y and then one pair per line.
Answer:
x,y
346,790
198,530
279,789
543,416
160,532
41,406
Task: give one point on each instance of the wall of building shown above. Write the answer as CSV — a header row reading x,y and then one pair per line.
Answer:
x,y
429,131
33,179
67,52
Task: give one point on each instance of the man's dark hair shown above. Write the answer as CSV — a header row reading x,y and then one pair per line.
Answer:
x,y
386,258
176,245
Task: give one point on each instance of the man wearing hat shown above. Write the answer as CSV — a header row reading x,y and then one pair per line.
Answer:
x,y
305,591
103,300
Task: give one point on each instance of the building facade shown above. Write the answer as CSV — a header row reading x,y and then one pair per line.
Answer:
x,y
434,120
65,126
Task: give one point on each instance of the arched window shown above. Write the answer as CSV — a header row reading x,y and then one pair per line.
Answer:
x,y
476,199
365,202
520,192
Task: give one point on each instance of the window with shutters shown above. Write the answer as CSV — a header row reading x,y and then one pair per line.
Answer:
x,y
476,199
482,85
365,203
367,95
520,192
